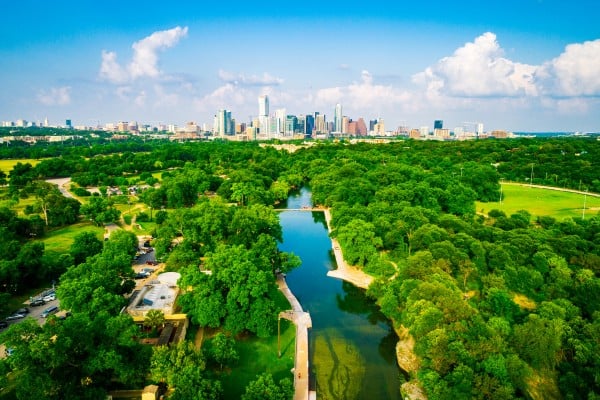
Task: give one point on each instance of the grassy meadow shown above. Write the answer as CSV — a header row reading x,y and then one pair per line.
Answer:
x,y
7,165
60,240
542,202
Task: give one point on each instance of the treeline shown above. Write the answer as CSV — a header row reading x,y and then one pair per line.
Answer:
x,y
500,307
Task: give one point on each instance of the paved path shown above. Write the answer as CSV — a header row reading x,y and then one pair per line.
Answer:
x,y
303,322
62,185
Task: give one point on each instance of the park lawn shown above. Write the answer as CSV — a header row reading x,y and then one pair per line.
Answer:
x,y
7,165
258,355
542,202
60,240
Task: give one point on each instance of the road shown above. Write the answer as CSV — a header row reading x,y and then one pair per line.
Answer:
x,y
62,185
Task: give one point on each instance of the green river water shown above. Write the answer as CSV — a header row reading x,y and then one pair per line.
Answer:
x,y
352,345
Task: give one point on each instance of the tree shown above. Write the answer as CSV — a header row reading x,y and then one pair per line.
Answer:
x,y
265,388
222,349
154,319
84,245
100,210
359,242
183,369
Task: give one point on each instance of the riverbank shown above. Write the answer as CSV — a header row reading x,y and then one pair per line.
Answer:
x,y
344,271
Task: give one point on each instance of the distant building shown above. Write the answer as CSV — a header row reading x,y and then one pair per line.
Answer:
x,y
338,118
361,127
68,124
438,124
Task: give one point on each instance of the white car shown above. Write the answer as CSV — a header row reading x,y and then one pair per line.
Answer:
x,y
50,297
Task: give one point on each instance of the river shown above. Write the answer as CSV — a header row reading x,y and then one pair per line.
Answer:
x,y
352,344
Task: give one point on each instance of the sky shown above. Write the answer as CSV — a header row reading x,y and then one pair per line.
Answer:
x,y
526,65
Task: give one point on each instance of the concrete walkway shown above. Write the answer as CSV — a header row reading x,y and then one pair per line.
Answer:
x,y
303,322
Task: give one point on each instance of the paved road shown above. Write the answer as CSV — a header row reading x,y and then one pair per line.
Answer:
x,y
62,185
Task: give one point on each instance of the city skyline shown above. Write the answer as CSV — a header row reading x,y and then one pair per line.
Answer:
x,y
520,66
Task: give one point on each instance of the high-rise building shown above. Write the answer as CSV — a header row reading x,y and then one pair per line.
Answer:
x,y
309,125
479,129
224,123
337,118
263,114
263,106
345,122
280,115
361,127
290,124
438,124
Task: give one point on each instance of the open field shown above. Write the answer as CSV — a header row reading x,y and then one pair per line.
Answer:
x,y
7,165
60,240
541,202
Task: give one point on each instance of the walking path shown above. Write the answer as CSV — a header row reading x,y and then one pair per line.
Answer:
x,y
62,185
303,322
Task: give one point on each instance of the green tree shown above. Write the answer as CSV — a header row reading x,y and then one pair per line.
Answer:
x,y
100,210
183,369
84,245
154,319
222,349
265,388
359,242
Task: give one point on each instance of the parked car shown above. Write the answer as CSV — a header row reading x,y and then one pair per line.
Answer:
x,y
49,311
148,270
141,275
49,298
37,302
23,310
15,316
3,324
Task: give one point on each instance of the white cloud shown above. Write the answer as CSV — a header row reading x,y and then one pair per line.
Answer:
x,y
362,94
478,69
573,73
249,80
224,97
55,96
144,62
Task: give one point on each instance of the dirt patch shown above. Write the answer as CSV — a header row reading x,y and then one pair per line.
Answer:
x,y
524,302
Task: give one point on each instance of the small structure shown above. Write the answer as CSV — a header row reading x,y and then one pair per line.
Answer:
x,y
160,294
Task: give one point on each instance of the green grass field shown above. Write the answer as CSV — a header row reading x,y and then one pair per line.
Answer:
x,y
60,240
7,165
540,202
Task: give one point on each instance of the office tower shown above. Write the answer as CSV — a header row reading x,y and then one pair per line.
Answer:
x,y
68,124
438,124
479,129
290,124
309,125
280,115
263,114
345,122
361,127
372,124
263,106
320,123
337,119
224,123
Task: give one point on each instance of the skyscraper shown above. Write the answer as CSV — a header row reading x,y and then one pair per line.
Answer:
x,y
263,114
438,124
263,106
337,119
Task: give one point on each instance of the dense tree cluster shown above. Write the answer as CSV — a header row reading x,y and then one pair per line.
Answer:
x,y
496,305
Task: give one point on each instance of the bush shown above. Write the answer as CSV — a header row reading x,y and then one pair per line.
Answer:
x,y
81,192
143,217
127,219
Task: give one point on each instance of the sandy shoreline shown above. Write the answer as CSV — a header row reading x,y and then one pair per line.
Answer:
x,y
344,271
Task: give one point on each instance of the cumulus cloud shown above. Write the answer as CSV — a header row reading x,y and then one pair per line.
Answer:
x,y
144,61
478,69
573,73
224,96
249,80
361,94
55,96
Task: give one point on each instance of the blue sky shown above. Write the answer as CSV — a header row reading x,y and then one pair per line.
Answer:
x,y
528,65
